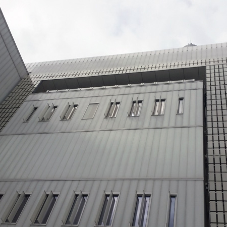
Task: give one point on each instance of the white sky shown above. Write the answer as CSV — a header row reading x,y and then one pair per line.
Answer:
x,y
46,30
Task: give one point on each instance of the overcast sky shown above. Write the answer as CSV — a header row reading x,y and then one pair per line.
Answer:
x,y
46,30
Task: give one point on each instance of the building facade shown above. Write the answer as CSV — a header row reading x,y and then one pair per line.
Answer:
x,y
125,140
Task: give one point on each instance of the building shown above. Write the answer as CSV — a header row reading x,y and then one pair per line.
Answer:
x,y
124,140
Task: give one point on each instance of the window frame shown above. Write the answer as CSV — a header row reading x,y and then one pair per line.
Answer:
x,y
11,206
69,207
159,101
178,108
112,103
47,110
39,207
143,194
106,213
137,101
94,112
68,105
168,209
30,114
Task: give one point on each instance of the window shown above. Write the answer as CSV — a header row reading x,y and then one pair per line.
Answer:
x,y
47,112
141,211
159,107
107,211
90,111
180,106
68,111
1,195
172,210
75,209
136,108
15,208
44,208
30,114
112,109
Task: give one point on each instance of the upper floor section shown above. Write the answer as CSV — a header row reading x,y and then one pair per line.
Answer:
x,y
190,56
162,105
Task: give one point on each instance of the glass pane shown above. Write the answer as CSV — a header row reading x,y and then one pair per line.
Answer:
x,y
137,211
139,108
172,211
112,210
70,112
162,106
133,109
156,107
33,111
20,208
80,210
146,209
180,108
100,222
71,210
116,109
90,112
49,209
110,114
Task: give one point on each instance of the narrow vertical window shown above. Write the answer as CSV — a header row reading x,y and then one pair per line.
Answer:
x,y
172,210
76,209
136,108
159,107
141,210
47,112
180,106
1,195
30,114
90,111
44,208
68,111
113,109
15,208
108,210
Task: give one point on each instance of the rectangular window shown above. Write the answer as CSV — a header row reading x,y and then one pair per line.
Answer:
x,y
180,106
1,195
47,112
108,210
112,109
68,111
15,208
91,110
159,107
30,114
136,108
44,208
172,210
75,209
141,212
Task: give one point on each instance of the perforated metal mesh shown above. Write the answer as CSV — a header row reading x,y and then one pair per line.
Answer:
x,y
216,77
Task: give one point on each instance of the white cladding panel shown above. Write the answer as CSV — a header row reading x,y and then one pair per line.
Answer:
x,y
189,209
155,154
190,91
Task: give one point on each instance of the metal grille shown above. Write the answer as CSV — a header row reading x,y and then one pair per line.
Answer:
x,y
216,83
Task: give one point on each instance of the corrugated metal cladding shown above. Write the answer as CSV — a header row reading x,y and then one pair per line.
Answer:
x,y
157,155
134,62
12,67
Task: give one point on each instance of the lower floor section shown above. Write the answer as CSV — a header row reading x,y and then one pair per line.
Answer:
x,y
97,202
